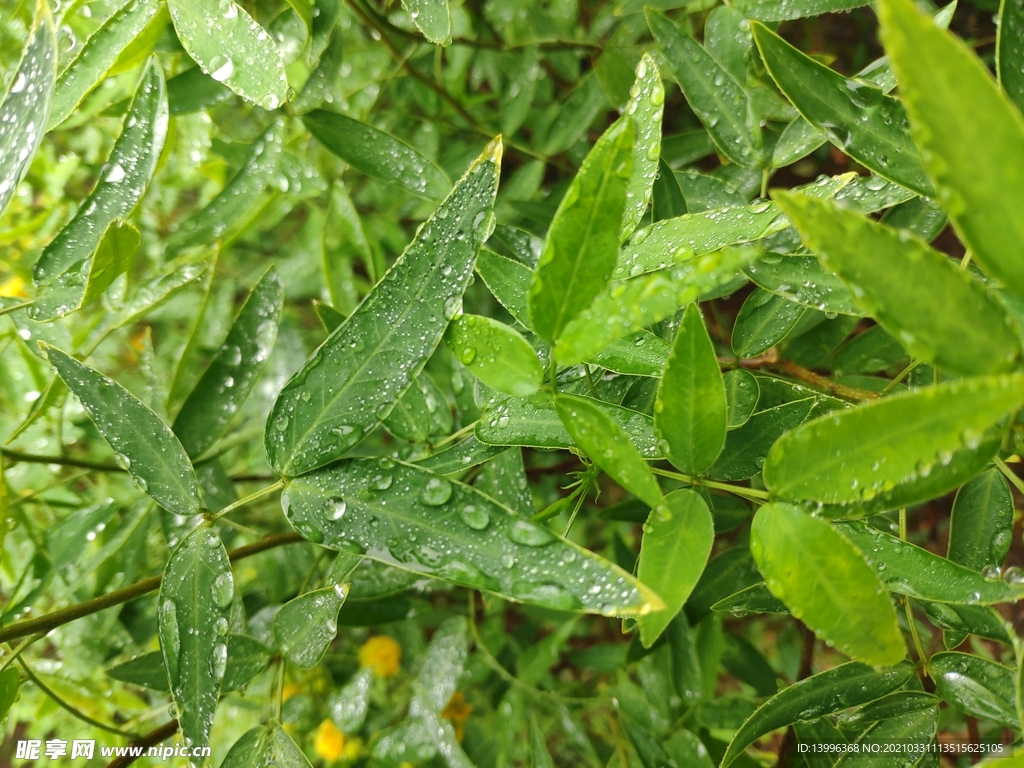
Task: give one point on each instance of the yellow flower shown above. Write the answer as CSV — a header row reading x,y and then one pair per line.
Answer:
x,y
354,749
330,742
458,711
13,287
381,654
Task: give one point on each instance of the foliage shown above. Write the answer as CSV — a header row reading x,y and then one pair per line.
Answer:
x,y
493,384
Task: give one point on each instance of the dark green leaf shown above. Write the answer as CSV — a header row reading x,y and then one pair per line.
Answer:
x,y
975,686
1009,51
496,354
746,447
911,730
785,10
802,280
306,626
265,747
9,683
192,91
645,105
765,320
741,395
340,393
981,524
893,705
410,518
541,756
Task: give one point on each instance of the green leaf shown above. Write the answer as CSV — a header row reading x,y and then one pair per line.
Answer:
x,y
421,413
459,457
307,625
909,570
981,524
223,38
432,18
193,91
765,320
1009,51
825,693
238,195
974,154
690,411
677,541
825,582
534,422
538,746
911,730
404,516
893,705
26,105
899,281
247,657
575,115
504,480
608,446
583,240
352,381
378,154
266,746
839,106
746,447
673,240
10,681
645,106
144,445
348,705
442,664
786,10
122,181
630,305
802,280
741,395
715,97
496,354
753,599
889,446
193,609
975,686
238,364
97,56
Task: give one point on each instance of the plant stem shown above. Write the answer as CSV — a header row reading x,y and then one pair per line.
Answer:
x,y
17,651
1009,474
150,739
922,657
30,458
749,493
900,377
252,497
51,621
70,708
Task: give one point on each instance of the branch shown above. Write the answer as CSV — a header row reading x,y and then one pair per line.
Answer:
x,y
58,618
150,739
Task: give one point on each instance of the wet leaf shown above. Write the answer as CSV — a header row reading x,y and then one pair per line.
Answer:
x,y
194,606
99,54
496,354
144,445
306,626
839,106
825,693
676,543
802,280
352,381
690,411
893,705
468,453
608,446
238,364
348,705
910,570
975,686
981,524
504,480
26,105
786,10
193,91
746,447
247,657
1009,51
899,281
583,240
645,106
765,320
378,154
406,517
223,38
913,729
973,156
123,180
889,447
753,599
741,395
826,583
266,746
432,18
715,97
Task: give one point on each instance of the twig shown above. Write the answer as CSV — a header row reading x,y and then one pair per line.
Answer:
x,y
68,707
150,739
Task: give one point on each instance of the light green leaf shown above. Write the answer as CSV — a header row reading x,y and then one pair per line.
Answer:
x,y
432,18
889,446
1009,51
98,55
238,364
10,681
753,599
975,686
306,626
630,305
909,570
715,97
352,381
534,422
442,665
839,106
741,395
409,518
26,105
378,154
223,38
802,280
899,281
786,10
583,240
825,693
645,106
673,240
144,445
981,524
122,181
349,704
690,410
677,541
459,457
826,583
504,480
974,153
266,746
608,446
238,195
193,611
496,354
